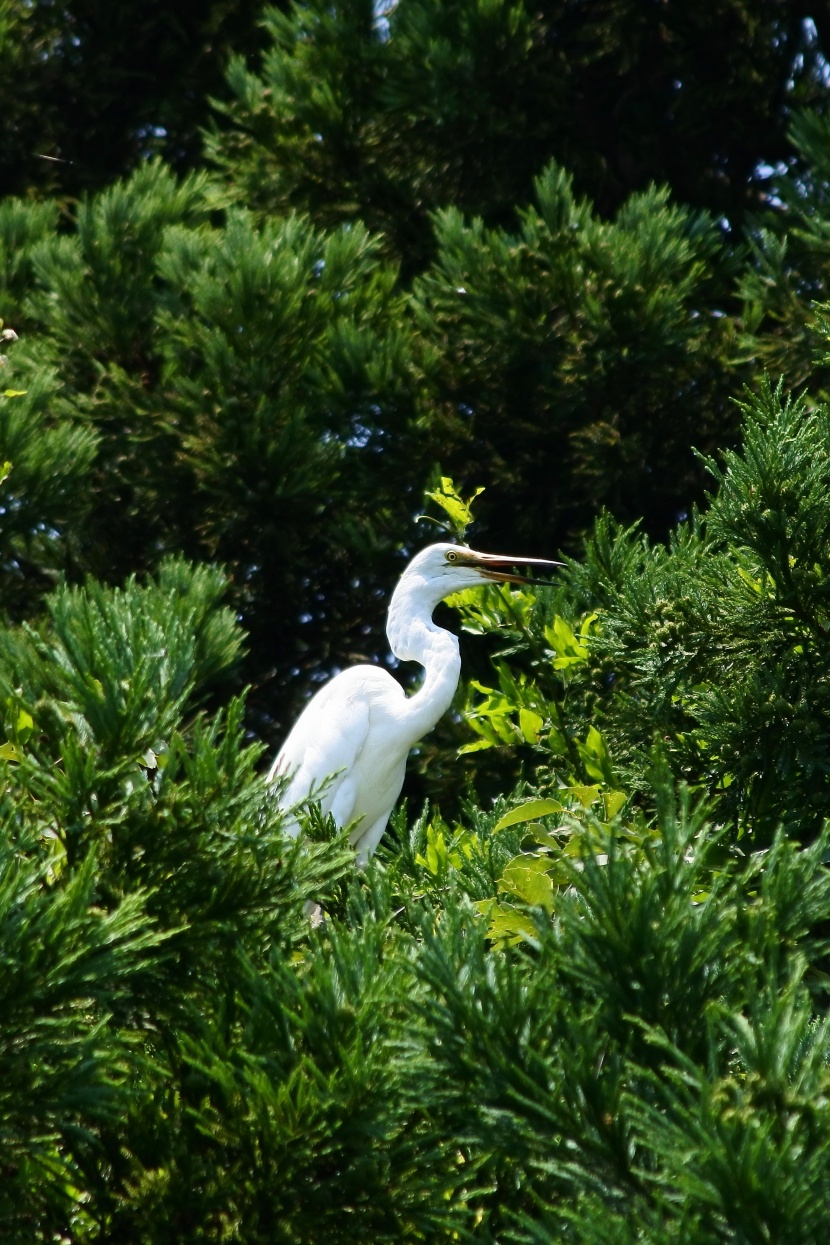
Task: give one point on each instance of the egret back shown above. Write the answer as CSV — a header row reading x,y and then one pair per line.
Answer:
x,y
348,749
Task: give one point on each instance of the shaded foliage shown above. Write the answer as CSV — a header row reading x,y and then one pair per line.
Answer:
x,y
585,999
555,352
240,385
714,645
89,90
387,115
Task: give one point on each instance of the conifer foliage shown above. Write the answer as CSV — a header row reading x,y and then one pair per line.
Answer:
x,y
581,995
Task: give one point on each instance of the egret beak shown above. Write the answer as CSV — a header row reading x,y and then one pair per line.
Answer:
x,y
488,564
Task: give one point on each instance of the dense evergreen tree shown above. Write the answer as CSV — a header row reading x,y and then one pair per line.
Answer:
x,y
554,352
89,90
387,112
241,383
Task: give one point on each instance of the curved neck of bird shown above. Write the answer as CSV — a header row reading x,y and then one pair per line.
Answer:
x,y
413,636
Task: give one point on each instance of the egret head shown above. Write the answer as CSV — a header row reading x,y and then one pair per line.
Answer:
x,y
445,568
434,573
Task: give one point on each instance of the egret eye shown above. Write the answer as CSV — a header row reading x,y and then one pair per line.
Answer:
x,y
452,556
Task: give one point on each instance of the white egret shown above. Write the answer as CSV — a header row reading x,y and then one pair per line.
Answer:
x,y
348,748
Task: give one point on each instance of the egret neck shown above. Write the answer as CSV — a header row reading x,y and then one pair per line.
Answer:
x,y
413,636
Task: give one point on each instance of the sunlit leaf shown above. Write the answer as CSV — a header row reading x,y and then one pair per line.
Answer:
x,y
526,877
527,812
530,724
587,795
24,726
457,510
613,801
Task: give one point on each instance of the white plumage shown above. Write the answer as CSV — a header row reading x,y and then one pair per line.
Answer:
x,y
349,747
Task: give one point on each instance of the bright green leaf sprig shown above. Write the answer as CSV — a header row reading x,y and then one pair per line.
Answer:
x,y
22,726
458,512
549,855
444,850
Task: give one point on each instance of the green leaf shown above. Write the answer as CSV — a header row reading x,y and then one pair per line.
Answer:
x,y
508,925
479,746
526,877
24,726
613,801
585,794
530,724
552,840
595,756
458,511
527,812
567,648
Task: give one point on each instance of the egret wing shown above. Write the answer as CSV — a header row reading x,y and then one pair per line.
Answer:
x,y
321,753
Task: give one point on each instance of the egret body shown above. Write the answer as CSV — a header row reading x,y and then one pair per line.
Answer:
x,y
349,747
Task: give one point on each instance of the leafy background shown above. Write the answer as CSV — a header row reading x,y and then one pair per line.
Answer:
x,y
274,280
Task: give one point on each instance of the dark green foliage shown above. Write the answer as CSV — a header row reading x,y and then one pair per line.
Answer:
x,y
65,966
142,860
786,284
296,1125
714,645
96,296
44,495
285,379
116,668
98,286
22,226
401,1080
239,383
569,1071
554,353
583,998
387,116
247,381
97,88
646,1056
102,703
740,647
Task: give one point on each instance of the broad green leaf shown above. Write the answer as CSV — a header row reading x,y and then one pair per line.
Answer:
x,y
530,724
595,756
526,877
484,906
24,726
552,839
508,925
527,812
559,873
557,742
478,746
586,795
457,510
568,648
613,801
